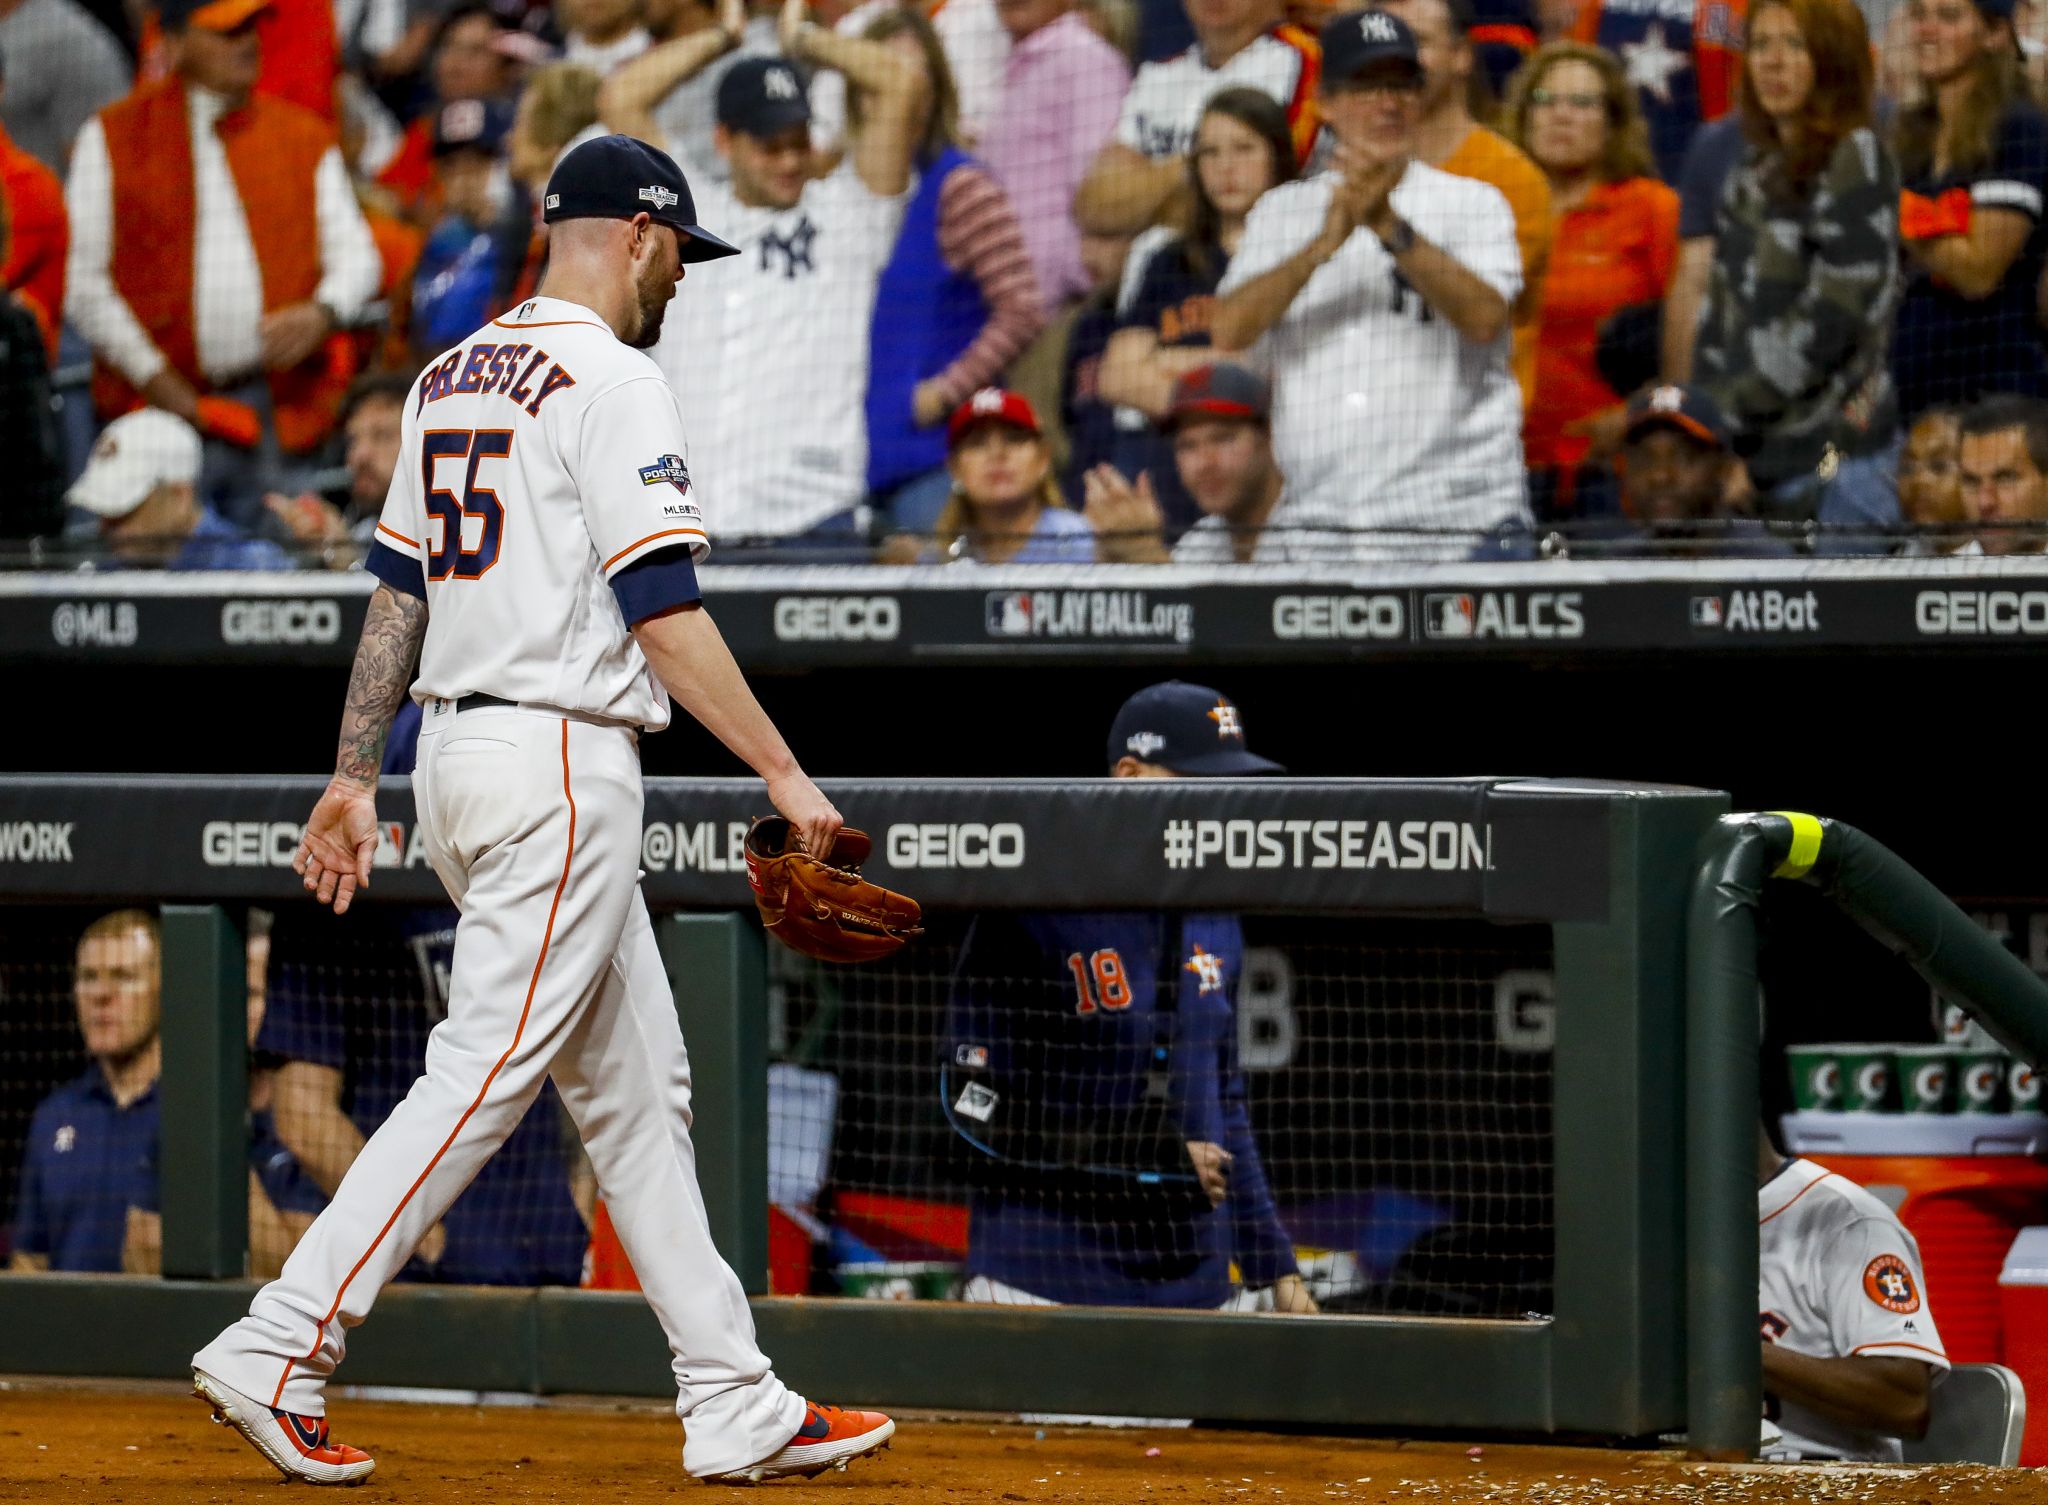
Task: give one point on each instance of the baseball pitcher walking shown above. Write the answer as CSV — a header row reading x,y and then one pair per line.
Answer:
x,y
538,552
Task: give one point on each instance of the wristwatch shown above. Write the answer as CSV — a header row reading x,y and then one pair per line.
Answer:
x,y
1400,239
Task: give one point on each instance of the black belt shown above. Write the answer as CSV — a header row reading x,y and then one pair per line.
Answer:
x,y
479,701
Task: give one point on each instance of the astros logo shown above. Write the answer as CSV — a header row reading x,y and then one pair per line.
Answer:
x,y
1209,969
1225,717
1888,1282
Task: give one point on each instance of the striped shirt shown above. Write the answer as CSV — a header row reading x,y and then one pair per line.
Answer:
x,y
979,234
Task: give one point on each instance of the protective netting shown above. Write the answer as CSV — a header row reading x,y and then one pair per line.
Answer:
x,y
344,1037
968,1120
1077,206
338,1017
1371,1101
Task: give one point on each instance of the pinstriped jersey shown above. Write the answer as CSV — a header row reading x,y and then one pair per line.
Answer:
x,y
1839,1277
540,458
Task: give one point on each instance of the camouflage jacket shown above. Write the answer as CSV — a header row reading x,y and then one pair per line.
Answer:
x,y
1794,340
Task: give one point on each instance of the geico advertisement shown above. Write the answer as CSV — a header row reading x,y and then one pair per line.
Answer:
x,y
710,846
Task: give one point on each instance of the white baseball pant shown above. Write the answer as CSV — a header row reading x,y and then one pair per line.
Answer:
x,y
533,822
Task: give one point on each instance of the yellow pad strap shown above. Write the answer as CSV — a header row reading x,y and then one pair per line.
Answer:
x,y
1806,834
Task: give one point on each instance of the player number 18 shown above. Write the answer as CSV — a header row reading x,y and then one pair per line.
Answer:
x,y
1100,981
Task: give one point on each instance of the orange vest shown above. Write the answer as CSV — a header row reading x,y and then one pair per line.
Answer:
x,y
273,152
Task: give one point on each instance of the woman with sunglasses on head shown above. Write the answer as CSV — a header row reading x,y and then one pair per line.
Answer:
x,y
1570,107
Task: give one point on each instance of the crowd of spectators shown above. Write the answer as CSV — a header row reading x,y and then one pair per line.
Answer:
x,y
1062,280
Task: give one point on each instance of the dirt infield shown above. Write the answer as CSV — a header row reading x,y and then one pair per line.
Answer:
x,y
135,1445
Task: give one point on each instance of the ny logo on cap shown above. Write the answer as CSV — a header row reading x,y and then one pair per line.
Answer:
x,y
660,198
779,83
988,400
1667,400
1375,26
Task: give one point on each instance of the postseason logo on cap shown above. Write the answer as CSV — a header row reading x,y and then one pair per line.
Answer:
x,y
661,198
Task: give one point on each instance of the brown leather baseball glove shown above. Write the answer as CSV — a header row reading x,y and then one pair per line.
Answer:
x,y
825,908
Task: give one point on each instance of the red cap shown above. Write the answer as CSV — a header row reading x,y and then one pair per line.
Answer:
x,y
991,405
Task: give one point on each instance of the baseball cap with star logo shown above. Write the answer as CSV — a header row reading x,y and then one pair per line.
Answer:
x,y
1190,729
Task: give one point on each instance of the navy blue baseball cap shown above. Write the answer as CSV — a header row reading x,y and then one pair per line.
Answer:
x,y
1190,729
1356,40
762,96
617,177
479,125
1687,409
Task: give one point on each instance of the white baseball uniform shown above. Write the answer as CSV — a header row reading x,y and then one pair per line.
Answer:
x,y
541,462
1840,1276
1384,415
772,366
1167,98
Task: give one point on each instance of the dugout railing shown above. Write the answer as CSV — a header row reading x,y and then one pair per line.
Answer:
x,y
1906,914
1605,867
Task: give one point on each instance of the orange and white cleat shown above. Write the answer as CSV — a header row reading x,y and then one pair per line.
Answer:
x,y
829,1438
297,1446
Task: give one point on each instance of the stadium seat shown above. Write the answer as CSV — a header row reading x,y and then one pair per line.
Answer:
x,y
1980,1410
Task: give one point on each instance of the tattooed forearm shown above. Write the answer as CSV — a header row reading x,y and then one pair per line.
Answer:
x,y
376,687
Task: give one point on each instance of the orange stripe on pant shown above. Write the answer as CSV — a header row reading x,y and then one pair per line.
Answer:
x,y
546,939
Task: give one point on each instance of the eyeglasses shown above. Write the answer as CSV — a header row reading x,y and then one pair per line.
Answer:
x,y
1569,101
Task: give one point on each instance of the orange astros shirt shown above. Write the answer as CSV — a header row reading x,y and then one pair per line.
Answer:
x,y
1616,248
1492,158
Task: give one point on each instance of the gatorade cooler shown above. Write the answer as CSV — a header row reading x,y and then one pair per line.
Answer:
x,y
2023,1292
1964,1185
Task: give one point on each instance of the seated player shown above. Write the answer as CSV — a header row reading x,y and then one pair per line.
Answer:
x,y
348,1036
89,1173
1092,1062
1850,1350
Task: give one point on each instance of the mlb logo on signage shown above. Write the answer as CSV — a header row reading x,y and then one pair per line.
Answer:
x,y
1009,614
1449,616
1706,611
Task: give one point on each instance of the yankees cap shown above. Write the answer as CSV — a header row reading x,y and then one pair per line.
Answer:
x,y
1190,729
1687,409
762,96
617,177
1219,390
1356,40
